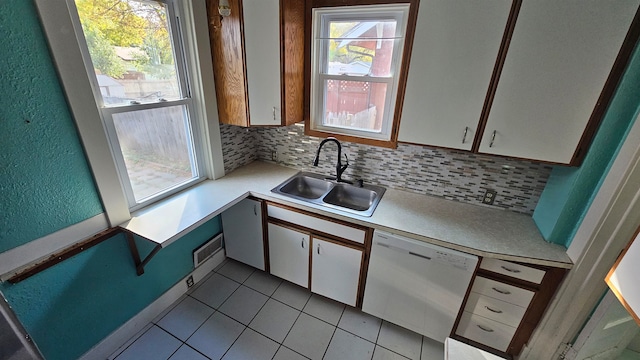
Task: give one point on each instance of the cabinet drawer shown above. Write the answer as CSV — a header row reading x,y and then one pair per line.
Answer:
x,y
329,227
514,270
495,309
501,291
485,331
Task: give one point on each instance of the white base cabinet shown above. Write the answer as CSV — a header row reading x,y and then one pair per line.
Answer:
x,y
321,254
289,254
242,227
335,271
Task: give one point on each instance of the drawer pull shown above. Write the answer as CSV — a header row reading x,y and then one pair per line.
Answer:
x,y
493,311
485,329
515,271
503,292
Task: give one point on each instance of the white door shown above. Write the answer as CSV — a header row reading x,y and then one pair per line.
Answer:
x,y
456,48
608,334
559,59
335,271
262,49
242,227
289,254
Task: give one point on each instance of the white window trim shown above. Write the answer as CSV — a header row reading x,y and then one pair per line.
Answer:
x,y
63,43
361,12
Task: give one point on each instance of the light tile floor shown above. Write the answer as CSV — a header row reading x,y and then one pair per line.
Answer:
x,y
240,313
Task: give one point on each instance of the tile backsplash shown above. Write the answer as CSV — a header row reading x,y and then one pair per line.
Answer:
x,y
238,146
454,175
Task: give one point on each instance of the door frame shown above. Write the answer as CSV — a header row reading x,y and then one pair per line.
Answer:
x,y
606,229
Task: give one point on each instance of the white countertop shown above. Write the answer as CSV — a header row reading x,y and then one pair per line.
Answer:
x,y
470,228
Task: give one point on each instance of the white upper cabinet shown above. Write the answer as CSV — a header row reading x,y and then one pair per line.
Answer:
x,y
455,50
262,46
560,56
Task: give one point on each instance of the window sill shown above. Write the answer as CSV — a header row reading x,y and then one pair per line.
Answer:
x,y
168,220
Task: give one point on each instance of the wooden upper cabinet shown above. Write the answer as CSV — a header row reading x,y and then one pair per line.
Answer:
x,y
258,61
550,98
454,53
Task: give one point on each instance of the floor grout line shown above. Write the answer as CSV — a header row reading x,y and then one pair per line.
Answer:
x,y
248,325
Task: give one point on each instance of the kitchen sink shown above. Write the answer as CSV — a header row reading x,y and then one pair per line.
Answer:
x,y
351,197
316,189
306,187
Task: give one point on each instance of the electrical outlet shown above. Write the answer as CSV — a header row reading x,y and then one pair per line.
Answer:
x,y
489,197
274,155
190,281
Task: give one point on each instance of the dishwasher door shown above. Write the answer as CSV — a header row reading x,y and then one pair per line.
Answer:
x,y
416,285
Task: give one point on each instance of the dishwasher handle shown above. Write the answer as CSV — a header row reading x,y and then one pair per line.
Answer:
x,y
391,247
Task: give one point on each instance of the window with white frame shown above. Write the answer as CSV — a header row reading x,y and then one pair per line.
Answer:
x,y
133,52
356,62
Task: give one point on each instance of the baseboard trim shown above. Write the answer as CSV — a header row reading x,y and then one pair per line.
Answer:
x,y
112,345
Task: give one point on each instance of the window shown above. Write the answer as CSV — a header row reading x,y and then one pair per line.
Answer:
x,y
133,53
357,70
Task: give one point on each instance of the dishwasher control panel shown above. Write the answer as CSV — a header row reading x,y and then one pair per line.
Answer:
x,y
455,260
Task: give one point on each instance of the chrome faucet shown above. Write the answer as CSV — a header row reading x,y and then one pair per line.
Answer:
x,y
339,167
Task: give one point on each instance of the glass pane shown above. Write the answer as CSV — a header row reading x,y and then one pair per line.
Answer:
x,y
360,48
156,148
356,105
131,49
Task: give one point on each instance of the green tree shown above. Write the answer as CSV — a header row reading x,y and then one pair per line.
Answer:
x,y
103,55
116,20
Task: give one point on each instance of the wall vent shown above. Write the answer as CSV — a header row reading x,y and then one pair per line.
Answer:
x,y
207,250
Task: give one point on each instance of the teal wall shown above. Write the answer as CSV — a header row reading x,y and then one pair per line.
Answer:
x,y
45,186
570,191
45,182
74,305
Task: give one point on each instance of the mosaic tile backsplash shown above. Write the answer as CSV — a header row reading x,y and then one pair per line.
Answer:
x,y
239,146
450,174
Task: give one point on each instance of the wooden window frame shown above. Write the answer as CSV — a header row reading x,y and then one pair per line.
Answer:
x,y
402,76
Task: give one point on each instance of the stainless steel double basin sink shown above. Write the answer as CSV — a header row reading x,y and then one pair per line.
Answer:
x,y
315,189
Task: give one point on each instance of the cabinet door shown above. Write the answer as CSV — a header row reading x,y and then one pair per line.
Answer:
x,y
335,271
559,58
289,254
242,226
456,48
262,47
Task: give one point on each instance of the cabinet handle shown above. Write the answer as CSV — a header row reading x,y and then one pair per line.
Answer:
x,y
484,328
302,243
493,311
493,138
515,271
274,113
318,249
503,292
419,255
464,137
255,210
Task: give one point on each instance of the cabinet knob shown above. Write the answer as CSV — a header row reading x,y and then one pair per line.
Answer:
x,y
464,136
493,138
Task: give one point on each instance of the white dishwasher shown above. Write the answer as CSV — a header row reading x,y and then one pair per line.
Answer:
x,y
416,285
